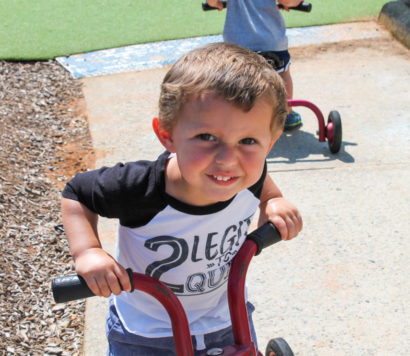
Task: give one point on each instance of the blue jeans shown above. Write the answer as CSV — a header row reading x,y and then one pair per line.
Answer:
x,y
123,343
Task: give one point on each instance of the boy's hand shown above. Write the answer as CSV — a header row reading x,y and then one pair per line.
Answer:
x,y
216,3
102,273
290,3
284,215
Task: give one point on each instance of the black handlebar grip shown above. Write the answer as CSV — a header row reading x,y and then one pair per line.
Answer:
x,y
73,287
206,7
264,236
303,6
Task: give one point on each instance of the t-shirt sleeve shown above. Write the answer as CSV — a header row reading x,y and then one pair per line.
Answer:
x,y
112,192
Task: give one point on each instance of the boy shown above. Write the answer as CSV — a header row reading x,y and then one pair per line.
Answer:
x,y
259,26
184,216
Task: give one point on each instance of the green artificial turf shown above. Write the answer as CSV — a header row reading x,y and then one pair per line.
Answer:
x,y
44,29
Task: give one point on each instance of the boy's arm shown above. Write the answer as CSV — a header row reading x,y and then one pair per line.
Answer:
x,y
100,270
275,208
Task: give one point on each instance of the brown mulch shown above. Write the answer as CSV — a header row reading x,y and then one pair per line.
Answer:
x,y
44,141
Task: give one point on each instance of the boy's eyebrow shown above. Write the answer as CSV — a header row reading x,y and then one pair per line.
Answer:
x,y
202,128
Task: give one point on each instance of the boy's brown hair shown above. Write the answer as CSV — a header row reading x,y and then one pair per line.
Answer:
x,y
236,74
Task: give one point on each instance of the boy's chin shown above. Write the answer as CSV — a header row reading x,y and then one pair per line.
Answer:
x,y
220,198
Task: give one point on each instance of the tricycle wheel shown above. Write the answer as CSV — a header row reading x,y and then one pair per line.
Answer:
x,y
334,131
279,347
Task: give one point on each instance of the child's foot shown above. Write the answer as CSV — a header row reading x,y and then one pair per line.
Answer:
x,y
293,120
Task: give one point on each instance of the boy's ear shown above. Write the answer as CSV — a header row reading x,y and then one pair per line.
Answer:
x,y
163,136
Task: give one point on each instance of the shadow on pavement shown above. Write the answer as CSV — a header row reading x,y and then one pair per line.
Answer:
x,y
298,146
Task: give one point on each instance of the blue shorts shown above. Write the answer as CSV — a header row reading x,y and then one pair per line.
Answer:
x,y
279,60
123,343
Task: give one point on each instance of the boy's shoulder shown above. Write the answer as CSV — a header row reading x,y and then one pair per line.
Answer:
x,y
128,174
122,190
120,179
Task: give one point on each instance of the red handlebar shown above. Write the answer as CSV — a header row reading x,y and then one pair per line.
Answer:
x,y
73,287
179,321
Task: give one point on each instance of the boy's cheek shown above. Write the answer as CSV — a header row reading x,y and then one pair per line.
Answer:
x,y
191,160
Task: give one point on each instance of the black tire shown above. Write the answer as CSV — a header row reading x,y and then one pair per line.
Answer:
x,y
334,131
279,347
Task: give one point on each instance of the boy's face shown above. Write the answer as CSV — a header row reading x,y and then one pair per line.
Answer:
x,y
220,149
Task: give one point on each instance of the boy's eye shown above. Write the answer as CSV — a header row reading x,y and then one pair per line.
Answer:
x,y
206,137
248,141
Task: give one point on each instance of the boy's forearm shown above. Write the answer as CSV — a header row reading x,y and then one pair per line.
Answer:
x,y
80,225
269,191
278,210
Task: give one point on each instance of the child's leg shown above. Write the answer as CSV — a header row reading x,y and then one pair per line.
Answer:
x,y
287,80
123,349
123,343
293,119
224,337
280,61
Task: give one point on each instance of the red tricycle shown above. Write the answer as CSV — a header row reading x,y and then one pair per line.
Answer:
x,y
74,287
332,131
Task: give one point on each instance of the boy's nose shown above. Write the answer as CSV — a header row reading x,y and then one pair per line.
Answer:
x,y
226,155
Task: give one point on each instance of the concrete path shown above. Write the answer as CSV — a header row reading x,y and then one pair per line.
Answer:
x,y
343,286
159,54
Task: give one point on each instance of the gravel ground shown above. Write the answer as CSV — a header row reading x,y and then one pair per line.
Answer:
x,y
44,141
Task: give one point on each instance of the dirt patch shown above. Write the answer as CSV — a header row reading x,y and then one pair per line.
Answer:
x,y
384,46
77,153
44,141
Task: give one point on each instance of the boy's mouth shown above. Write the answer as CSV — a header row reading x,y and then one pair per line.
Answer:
x,y
223,179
